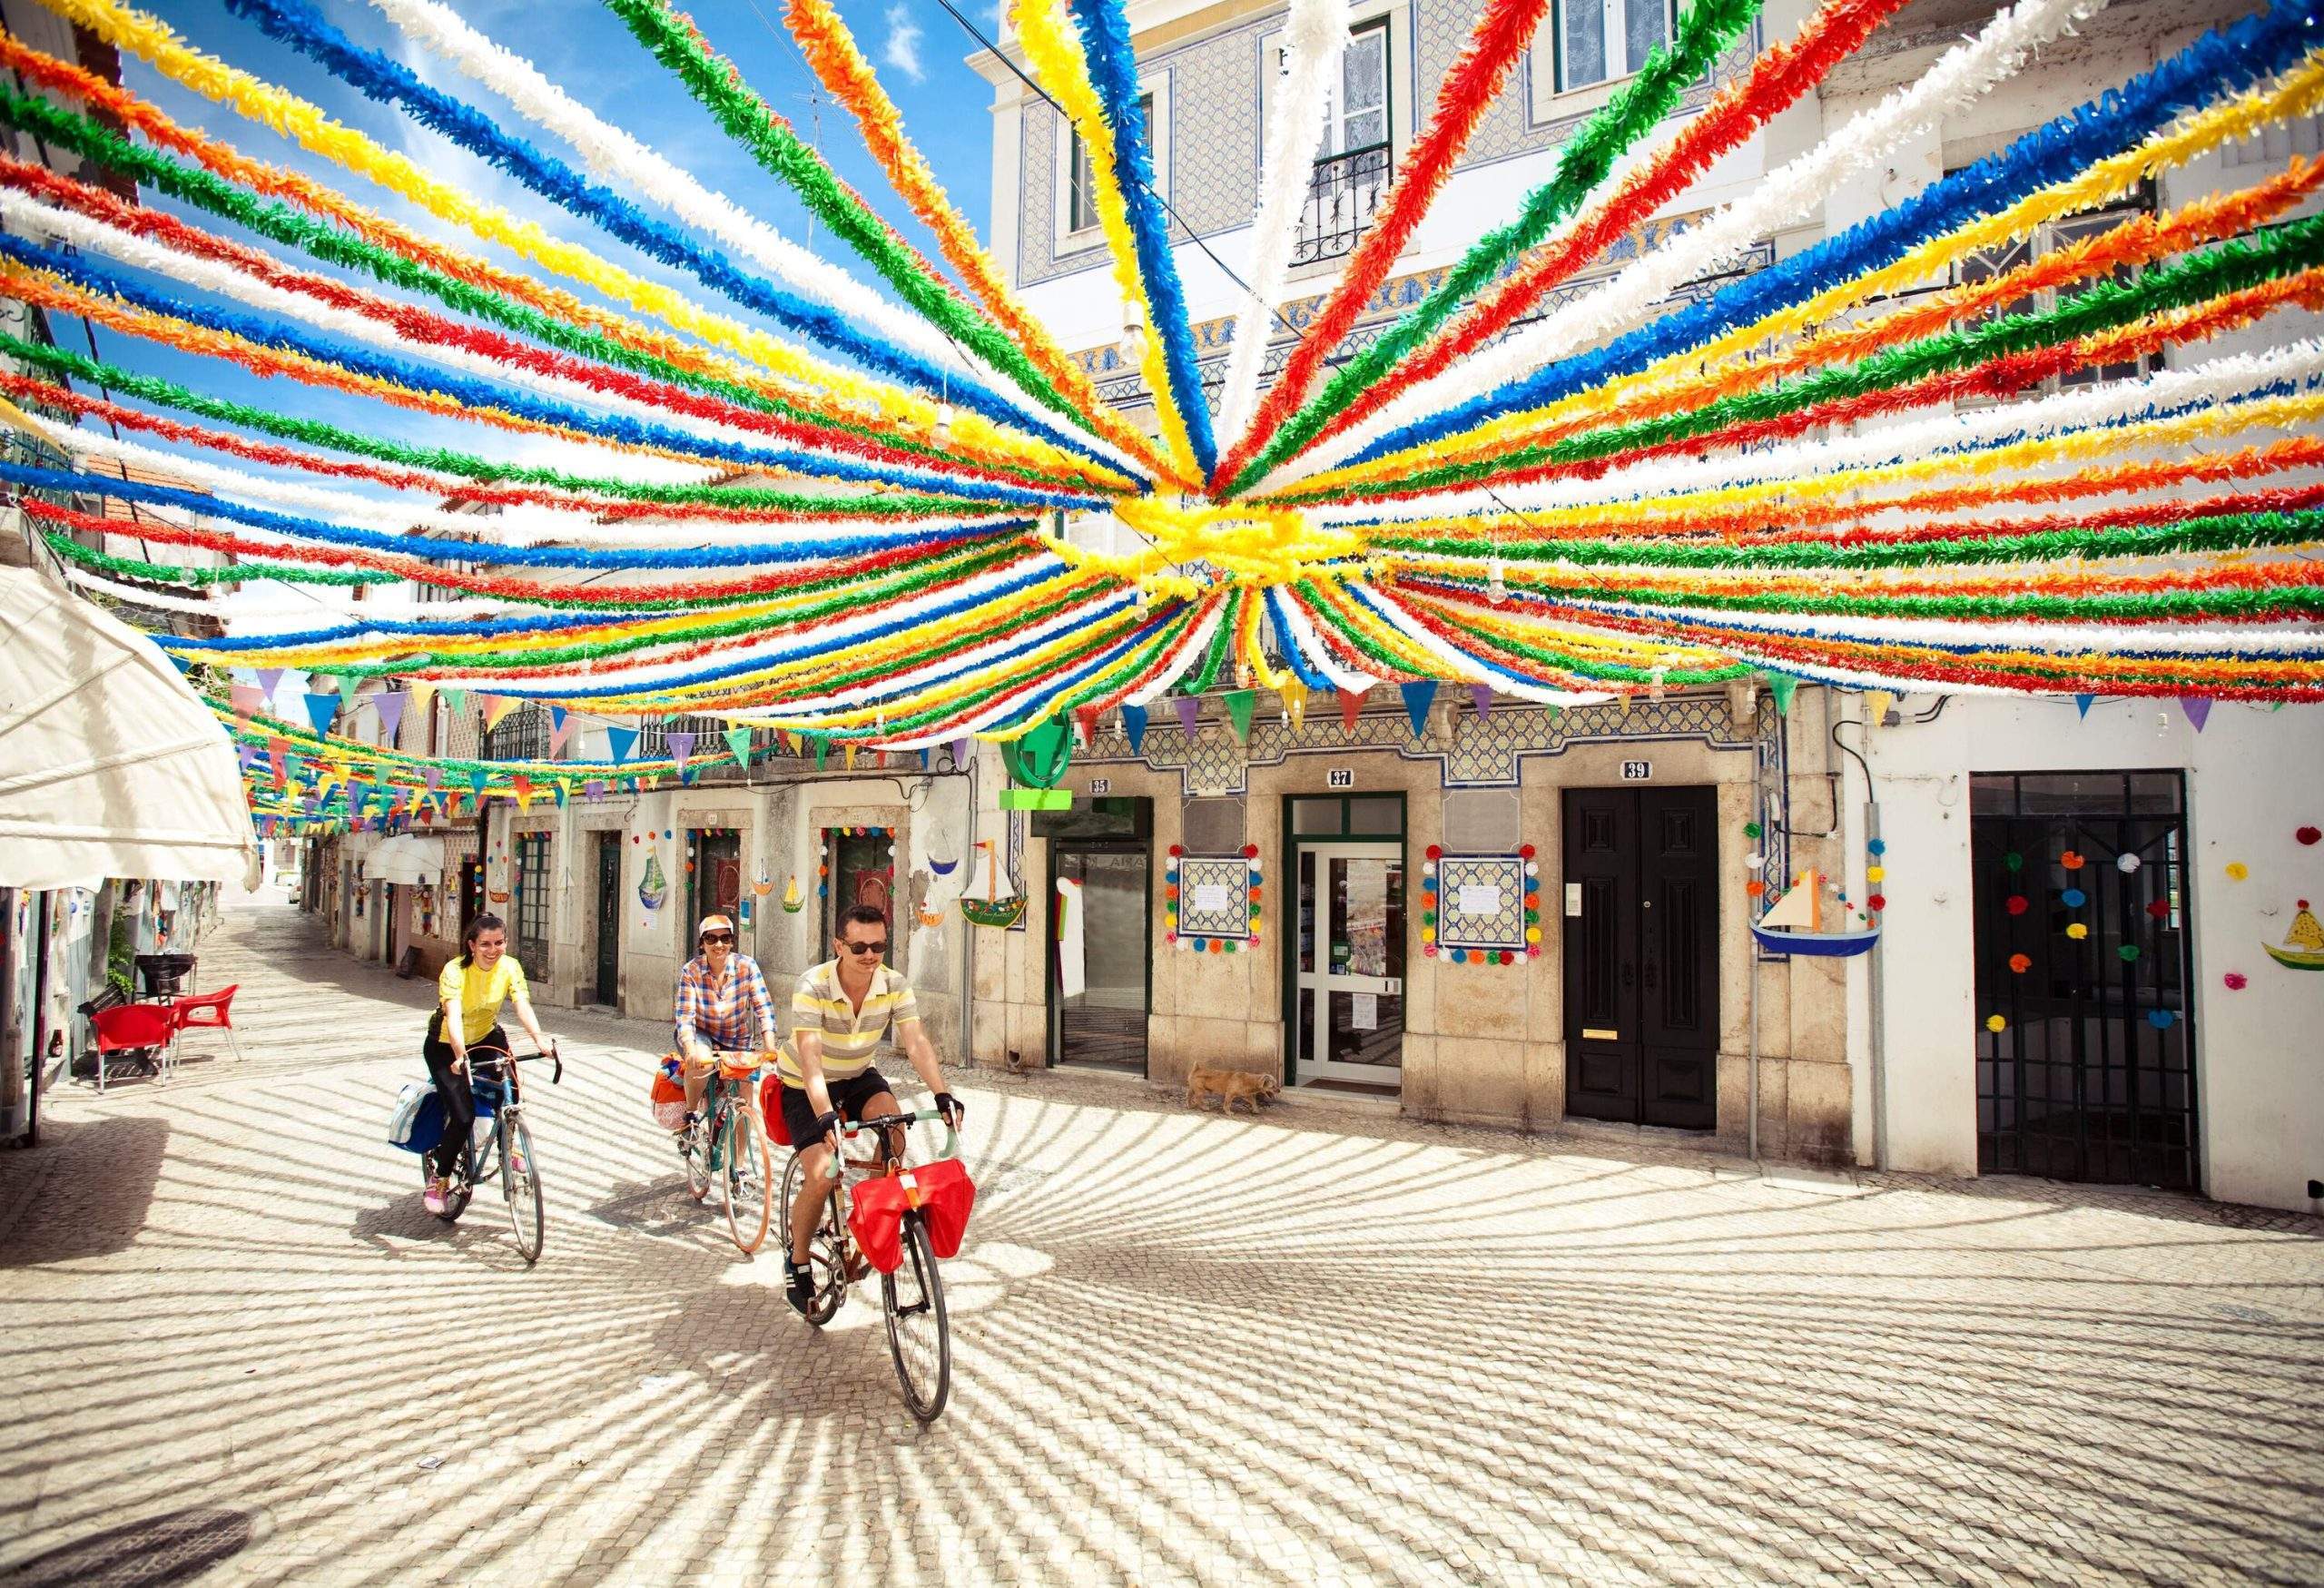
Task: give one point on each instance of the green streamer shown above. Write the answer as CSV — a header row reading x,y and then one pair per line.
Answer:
x,y
443,460
335,245
1221,644
715,84
2197,278
2213,532
1636,109
65,546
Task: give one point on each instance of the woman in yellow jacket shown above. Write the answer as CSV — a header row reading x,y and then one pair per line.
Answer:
x,y
469,994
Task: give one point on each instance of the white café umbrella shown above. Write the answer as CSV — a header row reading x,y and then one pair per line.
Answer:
x,y
110,764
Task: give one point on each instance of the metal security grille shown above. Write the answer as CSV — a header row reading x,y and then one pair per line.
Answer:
x,y
2090,1075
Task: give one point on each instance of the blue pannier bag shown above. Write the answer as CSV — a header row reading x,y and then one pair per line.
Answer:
x,y
417,1125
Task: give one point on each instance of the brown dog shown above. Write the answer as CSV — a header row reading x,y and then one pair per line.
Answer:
x,y
1204,1079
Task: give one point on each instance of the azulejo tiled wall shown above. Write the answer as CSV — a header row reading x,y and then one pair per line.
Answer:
x,y
1485,751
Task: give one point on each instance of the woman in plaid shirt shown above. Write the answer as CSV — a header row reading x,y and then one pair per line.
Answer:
x,y
721,1003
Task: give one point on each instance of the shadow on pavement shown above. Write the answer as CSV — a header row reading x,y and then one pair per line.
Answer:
x,y
175,1547
86,1192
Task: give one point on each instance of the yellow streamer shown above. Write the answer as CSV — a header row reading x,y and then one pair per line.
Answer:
x,y
152,41
2299,94
1057,61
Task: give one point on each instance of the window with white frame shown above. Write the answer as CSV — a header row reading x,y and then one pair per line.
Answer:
x,y
2063,233
1599,40
1359,105
1354,165
1081,184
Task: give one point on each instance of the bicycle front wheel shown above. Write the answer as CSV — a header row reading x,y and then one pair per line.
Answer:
x,y
697,1152
919,1333
824,1251
747,1180
520,1184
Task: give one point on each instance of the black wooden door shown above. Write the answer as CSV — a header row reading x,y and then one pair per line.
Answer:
x,y
609,918
1641,956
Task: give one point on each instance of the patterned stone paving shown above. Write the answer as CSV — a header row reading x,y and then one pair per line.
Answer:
x,y
1325,1347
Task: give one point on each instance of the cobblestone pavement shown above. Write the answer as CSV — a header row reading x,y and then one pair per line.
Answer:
x,y
1329,1345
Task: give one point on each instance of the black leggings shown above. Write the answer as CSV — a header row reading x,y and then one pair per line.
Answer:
x,y
452,1090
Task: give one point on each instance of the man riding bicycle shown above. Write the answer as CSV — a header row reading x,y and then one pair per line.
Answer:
x,y
838,1011
721,1002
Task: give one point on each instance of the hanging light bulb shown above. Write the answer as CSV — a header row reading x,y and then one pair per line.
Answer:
x,y
1497,581
1133,345
1242,675
942,431
1142,600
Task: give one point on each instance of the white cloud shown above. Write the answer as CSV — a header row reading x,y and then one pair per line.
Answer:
x,y
902,49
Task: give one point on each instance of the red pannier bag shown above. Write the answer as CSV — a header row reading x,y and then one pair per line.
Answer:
x,y
943,1192
770,1110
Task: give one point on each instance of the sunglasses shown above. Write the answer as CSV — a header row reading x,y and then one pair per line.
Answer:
x,y
866,948
710,937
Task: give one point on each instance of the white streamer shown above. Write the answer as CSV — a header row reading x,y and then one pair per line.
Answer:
x,y
610,151
1780,199
2220,382
1316,40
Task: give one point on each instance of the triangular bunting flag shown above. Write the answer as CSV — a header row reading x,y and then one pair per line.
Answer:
x,y
2081,703
391,708
1351,703
848,751
1783,686
1876,702
556,715
495,707
1134,727
458,700
1419,696
321,709
246,698
1294,702
477,781
594,790
822,751
681,744
620,742
738,740
422,693
564,790
1238,704
524,787
434,777
268,678
2198,708
1480,696
1189,714
560,727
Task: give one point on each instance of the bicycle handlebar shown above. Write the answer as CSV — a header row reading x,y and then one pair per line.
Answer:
x,y
499,1056
890,1122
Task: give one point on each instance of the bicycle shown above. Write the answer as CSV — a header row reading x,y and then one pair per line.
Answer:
x,y
919,1331
509,1148
727,1143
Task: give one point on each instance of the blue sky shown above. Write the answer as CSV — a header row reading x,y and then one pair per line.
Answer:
x,y
916,45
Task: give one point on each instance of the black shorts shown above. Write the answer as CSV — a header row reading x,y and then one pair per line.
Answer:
x,y
848,1097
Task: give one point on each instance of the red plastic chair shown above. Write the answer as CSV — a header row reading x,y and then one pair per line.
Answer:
x,y
211,1012
144,1030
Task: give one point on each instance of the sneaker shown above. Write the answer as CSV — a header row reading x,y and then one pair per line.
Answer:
x,y
799,1285
433,1198
686,1133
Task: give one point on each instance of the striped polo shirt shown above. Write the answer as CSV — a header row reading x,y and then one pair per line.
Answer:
x,y
851,1035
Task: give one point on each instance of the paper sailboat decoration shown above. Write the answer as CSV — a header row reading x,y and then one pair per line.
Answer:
x,y
993,908
943,868
764,886
2303,947
791,900
1794,924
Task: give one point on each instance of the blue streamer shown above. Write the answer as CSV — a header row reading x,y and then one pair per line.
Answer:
x,y
1292,650
477,393
433,550
1082,674
390,83
1113,72
722,671
2217,65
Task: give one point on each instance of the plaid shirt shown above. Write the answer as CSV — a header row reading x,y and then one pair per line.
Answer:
x,y
733,1013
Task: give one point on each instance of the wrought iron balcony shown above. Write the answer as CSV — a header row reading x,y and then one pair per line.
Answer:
x,y
1341,193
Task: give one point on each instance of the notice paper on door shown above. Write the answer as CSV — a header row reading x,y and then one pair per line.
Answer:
x,y
1209,896
1364,1012
1477,899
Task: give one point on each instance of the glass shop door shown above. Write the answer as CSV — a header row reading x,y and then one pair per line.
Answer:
x,y
1348,974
